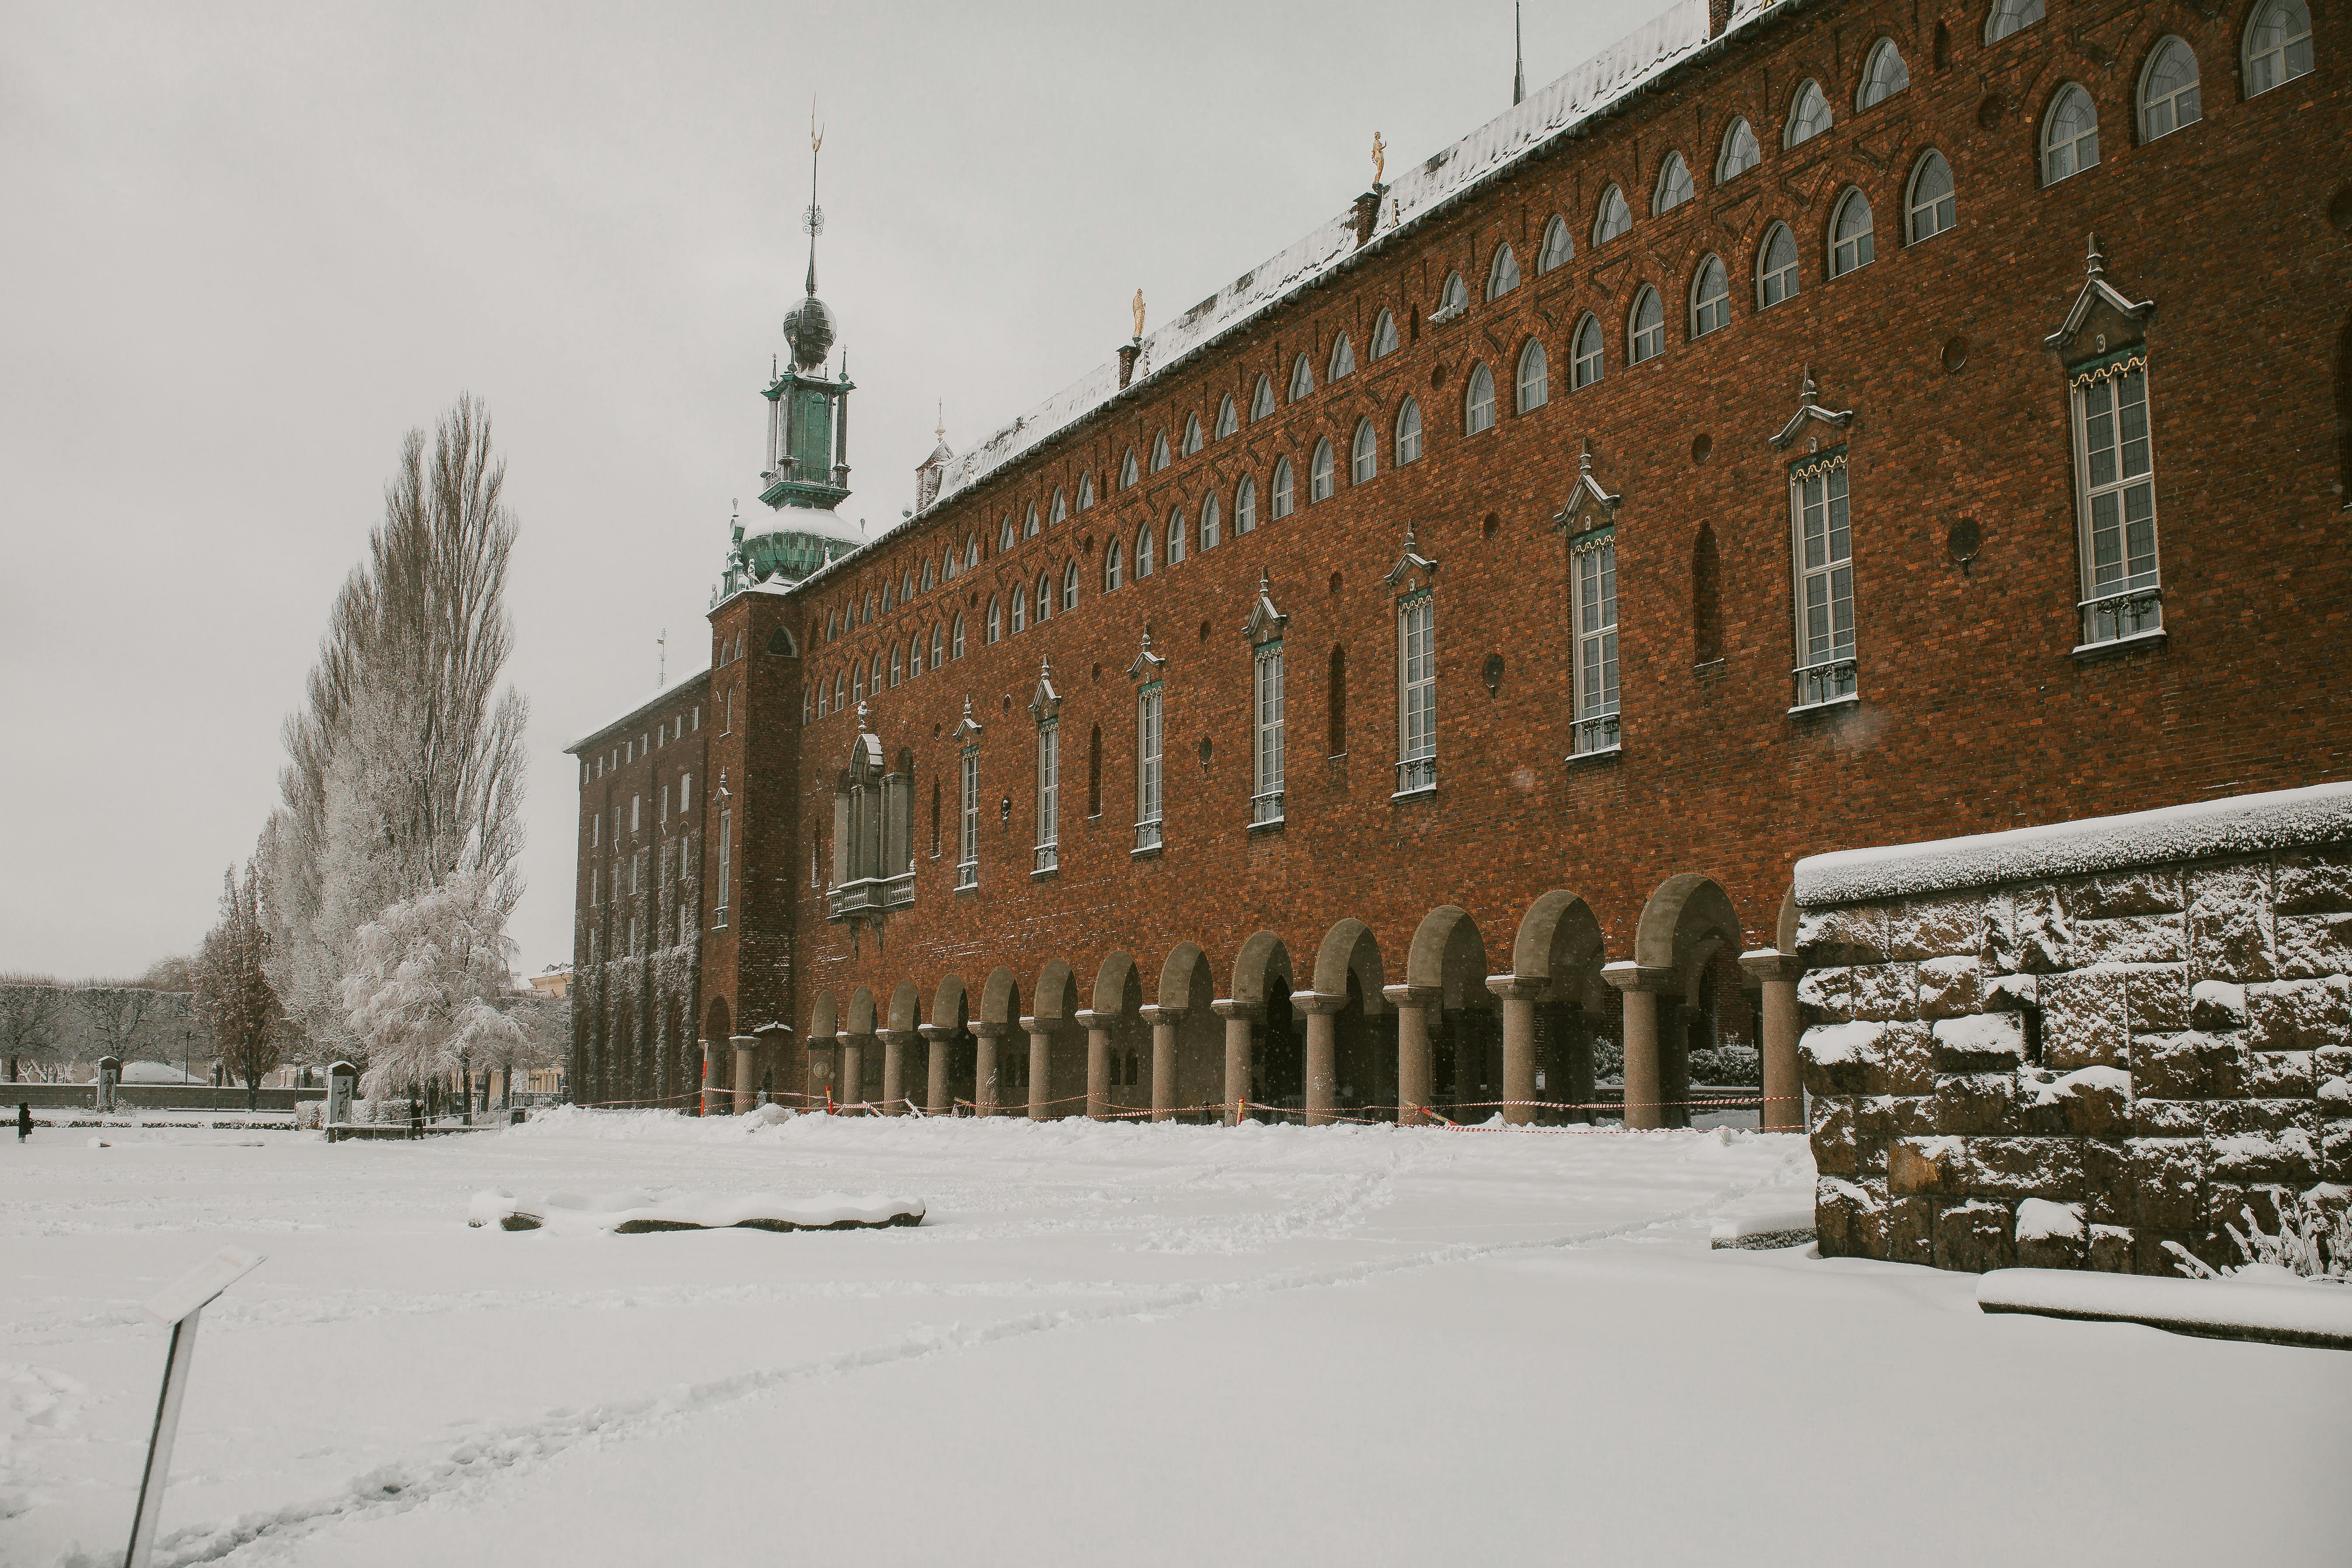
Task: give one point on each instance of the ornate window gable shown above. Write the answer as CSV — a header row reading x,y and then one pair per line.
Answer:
x,y
1044,700
1589,506
1413,572
2101,309
1810,416
1266,622
1146,664
967,732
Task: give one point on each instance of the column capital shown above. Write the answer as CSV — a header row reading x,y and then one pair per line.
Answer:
x,y
898,1036
1154,1014
935,1031
1513,988
1771,964
1227,1007
989,1030
856,1036
1627,976
1087,1018
1413,996
743,1042
1318,1004
1033,1024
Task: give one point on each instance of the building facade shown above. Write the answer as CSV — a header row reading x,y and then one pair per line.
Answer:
x,y
1407,679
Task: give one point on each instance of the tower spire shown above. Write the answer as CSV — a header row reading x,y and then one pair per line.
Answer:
x,y
1518,60
814,220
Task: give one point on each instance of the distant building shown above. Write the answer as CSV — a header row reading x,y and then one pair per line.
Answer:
x,y
554,981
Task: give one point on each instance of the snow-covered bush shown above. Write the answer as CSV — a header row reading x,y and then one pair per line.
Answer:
x,y
310,1114
1608,1060
1729,1063
2314,1240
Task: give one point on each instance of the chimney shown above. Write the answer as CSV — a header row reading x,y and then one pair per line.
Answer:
x,y
1128,355
1718,15
1367,213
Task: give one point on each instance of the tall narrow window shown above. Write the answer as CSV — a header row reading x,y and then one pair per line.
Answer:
x,y
1416,694
1559,245
1145,556
1114,566
1590,350
1069,587
1228,420
1453,297
1363,454
1594,561
1212,521
685,793
1049,795
1645,330
1029,524
1094,770
935,819
1245,505
1824,555
1739,153
2278,44
2008,15
958,646
1281,489
1265,754
1335,703
1060,512
2070,136
1192,433
1085,489
1534,378
1809,115
726,867
857,681
2115,474
1849,235
1384,338
1932,207
1319,472
1710,299
1408,433
968,817
1044,596
1261,399
1478,402
1147,767
1160,458
1127,472
995,619
1177,531
915,655
1302,378
1613,218
1884,74
1503,275
898,666
1675,186
840,690
1775,267
1343,359
2167,91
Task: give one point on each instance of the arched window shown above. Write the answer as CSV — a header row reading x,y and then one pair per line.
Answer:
x,y
1809,115
2008,15
1128,471
1408,433
1775,267
1739,153
869,600
1646,328
1085,489
1502,273
1335,704
1384,338
1228,421
840,692
2070,136
931,575
889,595
1478,400
1302,378
1320,477
877,675
1534,379
1003,543
971,551
1069,587
1146,556
857,681
1454,298
828,625
1673,186
824,697
897,668
2278,44
2167,91
1160,458
907,586
1884,74
1586,356
1176,535
1849,237
1192,433
1363,454
1029,522
1044,597
1212,521
915,646
1113,567
937,645
957,644
1061,510
1245,505
1343,358
1613,218
1930,209
1710,309
1262,400
1281,489
1559,245
995,619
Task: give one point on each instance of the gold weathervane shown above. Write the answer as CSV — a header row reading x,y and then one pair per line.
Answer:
x,y
817,136
1139,315
1379,158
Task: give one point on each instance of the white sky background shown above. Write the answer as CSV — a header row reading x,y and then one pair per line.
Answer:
x,y
247,248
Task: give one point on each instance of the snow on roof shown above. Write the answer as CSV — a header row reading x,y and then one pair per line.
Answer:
x,y
2243,825
1590,89
674,688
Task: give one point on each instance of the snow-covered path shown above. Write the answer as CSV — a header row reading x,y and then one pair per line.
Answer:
x,y
1106,1343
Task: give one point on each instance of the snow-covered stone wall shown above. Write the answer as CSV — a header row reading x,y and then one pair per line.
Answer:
x,y
2068,1071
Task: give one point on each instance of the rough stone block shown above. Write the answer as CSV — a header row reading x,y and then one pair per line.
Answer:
x,y
2038,939
2230,924
2157,999
2026,1167
1836,1205
1874,1132
1974,1102
2131,939
2289,1158
1854,935
2083,1019
2217,1005
1950,987
1833,1138
1910,1233
2335,1149
2299,1015
2151,893
2110,1249
1980,1042
1911,1116
2191,1065
2168,1175
1884,992
2315,883
2313,946
1935,927
1826,995
2332,1061
2280,1075
1907,1060
1976,1235
1928,1165
2107,1181
2170,1117
1841,1058
2010,992
2094,1101
2050,1235
1870,1218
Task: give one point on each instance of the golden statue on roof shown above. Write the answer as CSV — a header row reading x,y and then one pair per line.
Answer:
x,y
1380,159
1139,315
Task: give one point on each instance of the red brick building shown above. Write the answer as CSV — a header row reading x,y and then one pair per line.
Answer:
x,y
1421,663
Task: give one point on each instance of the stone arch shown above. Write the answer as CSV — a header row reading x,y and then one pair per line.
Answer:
x,y
1350,949
1185,961
1261,960
1447,951
717,1023
1364,1029
1197,1068
906,1006
1117,1004
861,1011
1558,932
1447,965
1057,994
1054,1086
1687,907
1690,936
1784,929
1117,988
1559,948
1000,999
824,1018
948,1001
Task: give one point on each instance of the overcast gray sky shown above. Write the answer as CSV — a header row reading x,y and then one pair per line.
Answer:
x,y
246,247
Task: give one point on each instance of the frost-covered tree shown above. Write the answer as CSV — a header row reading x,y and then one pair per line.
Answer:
x,y
419,994
232,991
32,1016
405,765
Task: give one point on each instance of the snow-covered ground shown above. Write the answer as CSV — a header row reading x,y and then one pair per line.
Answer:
x,y
1104,1344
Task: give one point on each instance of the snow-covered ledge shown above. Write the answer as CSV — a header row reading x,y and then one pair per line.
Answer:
x,y
2243,825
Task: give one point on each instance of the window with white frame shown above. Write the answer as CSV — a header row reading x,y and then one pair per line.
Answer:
x,y
1673,186
1212,521
1127,473
1408,432
1809,115
1192,433
1587,354
2008,15
1069,590
1453,297
1319,477
1145,562
968,817
1261,399
1343,359
1114,566
1160,458
958,646
1592,560
995,619
726,868
1178,536
2167,91
1049,795
1385,336
1710,310
1266,753
1302,378
1060,512
685,793
1775,267
2278,44
1085,489
1884,74
1029,524
1821,543
1646,329
1228,421
1020,607
1534,378
1245,505
1740,155
1363,454
1502,274
2070,136
1044,596
1478,400
1416,693
1283,488
1932,207
1559,245
1613,218
1851,241
2115,474
1147,767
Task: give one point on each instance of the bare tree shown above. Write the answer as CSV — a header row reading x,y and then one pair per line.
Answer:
x,y
32,1011
232,992
118,1015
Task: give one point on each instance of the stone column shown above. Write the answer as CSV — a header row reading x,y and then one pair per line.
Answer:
x,y
1413,1003
818,1073
1098,1026
706,1106
983,1078
1784,1095
894,1068
1322,1053
935,1077
747,1054
1163,1022
1641,983
1239,1017
1041,1066
853,1068
1518,999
